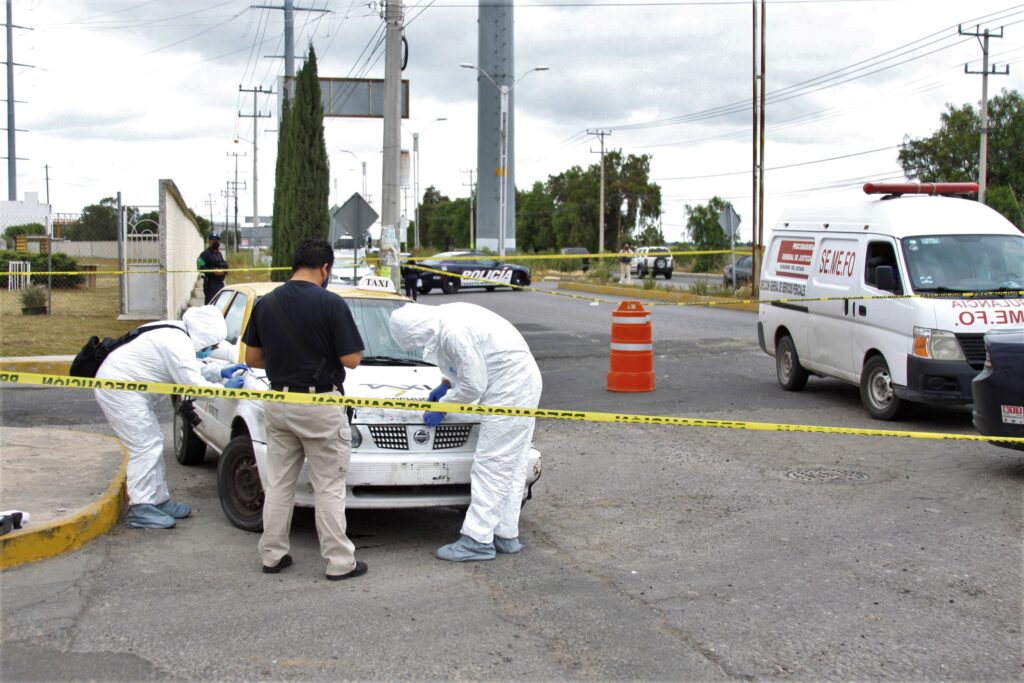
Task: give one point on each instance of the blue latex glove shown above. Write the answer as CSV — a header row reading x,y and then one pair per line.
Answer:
x,y
235,383
432,419
232,369
439,391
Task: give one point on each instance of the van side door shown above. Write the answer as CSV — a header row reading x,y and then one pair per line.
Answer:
x,y
883,324
834,275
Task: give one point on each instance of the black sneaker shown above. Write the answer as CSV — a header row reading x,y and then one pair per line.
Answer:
x,y
283,563
358,571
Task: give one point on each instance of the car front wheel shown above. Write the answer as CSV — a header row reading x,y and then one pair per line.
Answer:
x,y
791,374
877,392
449,285
519,280
424,290
238,485
189,449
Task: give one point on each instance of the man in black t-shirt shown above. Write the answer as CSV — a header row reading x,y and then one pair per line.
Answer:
x,y
305,337
212,261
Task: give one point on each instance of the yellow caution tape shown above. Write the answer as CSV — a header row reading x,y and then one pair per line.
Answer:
x,y
35,379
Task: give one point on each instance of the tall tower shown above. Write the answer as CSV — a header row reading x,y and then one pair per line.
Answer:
x,y
497,59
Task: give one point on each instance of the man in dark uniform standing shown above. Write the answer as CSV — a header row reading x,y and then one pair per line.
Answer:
x,y
212,260
305,337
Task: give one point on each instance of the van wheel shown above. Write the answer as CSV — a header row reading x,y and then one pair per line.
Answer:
x,y
877,393
189,449
449,285
791,374
238,485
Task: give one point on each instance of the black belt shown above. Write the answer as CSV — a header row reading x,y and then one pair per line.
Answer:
x,y
322,389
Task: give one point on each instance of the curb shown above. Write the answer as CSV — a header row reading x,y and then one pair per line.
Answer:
x,y
71,532
656,295
44,365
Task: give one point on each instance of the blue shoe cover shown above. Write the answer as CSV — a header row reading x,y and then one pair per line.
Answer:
x,y
509,546
174,508
147,517
466,550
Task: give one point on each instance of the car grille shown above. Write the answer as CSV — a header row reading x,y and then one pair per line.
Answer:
x,y
451,436
393,437
396,437
973,346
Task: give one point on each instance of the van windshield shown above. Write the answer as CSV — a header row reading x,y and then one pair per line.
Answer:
x,y
965,263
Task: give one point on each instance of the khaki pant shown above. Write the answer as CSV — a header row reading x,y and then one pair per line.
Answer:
x,y
321,434
624,275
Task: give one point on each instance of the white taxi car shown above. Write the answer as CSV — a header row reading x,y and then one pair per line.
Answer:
x,y
397,461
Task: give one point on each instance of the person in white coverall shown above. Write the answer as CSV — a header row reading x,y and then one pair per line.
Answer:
x,y
164,355
484,360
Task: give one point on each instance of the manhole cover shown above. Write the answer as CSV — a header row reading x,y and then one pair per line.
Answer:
x,y
819,474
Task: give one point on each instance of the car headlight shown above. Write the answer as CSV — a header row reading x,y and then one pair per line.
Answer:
x,y
936,344
357,437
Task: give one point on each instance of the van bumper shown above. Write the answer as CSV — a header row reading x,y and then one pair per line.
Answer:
x,y
937,381
760,338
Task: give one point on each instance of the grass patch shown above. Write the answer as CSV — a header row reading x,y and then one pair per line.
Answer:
x,y
77,314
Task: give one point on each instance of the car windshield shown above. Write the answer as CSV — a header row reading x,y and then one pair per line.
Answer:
x,y
372,317
965,263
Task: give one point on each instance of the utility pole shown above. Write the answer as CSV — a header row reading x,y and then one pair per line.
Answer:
x,y
209,206
757,127
983,37
289,34
394,19
600,241
255,116
234,192
12,156
472,192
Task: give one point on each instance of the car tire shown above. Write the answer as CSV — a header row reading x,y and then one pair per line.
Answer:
x,y
792,376
519,280
668,274
238,485
489,289
424,290
189,449
449,285
641,271
877,392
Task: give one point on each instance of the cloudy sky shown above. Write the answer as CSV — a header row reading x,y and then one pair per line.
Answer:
x,y
126,92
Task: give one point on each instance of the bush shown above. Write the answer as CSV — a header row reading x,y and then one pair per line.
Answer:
x,y
648,281
34,297
59,262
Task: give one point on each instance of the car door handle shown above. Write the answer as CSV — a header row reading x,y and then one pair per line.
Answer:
x,y
846,307
862,310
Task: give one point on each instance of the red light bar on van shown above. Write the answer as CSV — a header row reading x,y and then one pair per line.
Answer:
x,y
920,188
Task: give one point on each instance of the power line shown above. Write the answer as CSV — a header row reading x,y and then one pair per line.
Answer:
x,y
779,168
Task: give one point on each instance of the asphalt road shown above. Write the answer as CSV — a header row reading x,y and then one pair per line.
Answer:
x,y
652,552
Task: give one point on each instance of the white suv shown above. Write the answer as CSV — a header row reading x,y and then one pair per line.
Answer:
x,y
654,260
397,461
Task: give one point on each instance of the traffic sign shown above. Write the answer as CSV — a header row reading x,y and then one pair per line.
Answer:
x,y
729,220
355,215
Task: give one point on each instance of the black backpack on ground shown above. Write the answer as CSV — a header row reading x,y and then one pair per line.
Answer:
x,y
92,355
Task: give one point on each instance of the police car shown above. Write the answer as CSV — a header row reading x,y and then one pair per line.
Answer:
x,y
397,462
465,265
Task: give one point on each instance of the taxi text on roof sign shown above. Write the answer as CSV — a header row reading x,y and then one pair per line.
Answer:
x,y
377,284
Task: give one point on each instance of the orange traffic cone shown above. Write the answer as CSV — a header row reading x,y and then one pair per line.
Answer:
x,y
632,359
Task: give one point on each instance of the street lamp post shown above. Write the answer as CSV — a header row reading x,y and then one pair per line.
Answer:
x,y
505,91
363,163
416,178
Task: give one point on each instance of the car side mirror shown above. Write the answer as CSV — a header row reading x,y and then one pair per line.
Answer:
x,y
885,277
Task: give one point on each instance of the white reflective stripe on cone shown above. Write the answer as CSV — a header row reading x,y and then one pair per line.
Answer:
x,y
630,321
632,347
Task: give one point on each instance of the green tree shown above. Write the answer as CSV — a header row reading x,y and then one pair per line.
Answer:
x,y
302,183
706,234
24,229
98,222
952,152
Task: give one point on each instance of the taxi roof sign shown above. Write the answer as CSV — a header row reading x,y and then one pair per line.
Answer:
x,y
373,283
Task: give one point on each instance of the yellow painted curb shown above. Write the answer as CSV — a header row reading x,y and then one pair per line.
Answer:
x,y
44,365
61,535
655,294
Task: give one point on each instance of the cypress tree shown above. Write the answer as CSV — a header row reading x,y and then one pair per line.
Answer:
x,y
303,178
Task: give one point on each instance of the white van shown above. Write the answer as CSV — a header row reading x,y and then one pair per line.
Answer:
x,y
962,262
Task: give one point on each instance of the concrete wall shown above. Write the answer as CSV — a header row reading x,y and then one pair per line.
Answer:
x,y
180,245
21,212
100,249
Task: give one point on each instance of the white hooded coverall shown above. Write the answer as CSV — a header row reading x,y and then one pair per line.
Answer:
x,y
488,362
163,355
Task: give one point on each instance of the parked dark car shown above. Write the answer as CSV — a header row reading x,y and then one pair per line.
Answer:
x,y
999,389
584,263
744,271
472,264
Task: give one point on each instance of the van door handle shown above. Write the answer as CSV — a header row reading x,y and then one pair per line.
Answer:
x,y
846,307
862,310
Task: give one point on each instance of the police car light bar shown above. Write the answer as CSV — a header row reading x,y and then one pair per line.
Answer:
x,y
919,188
